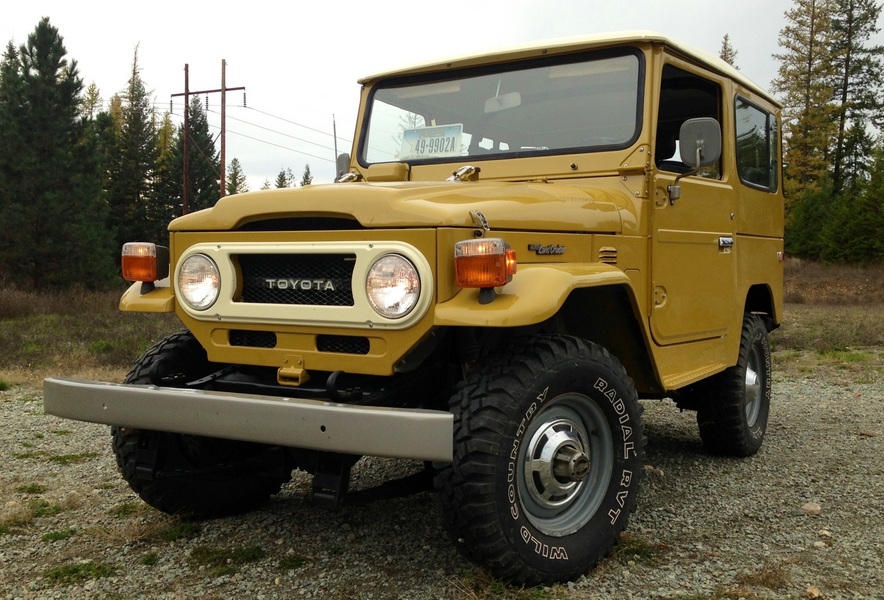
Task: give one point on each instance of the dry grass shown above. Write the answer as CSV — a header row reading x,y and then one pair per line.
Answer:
x,y
145,525
479,585
15,515
770,576
833,321
76,332
816,283
830,328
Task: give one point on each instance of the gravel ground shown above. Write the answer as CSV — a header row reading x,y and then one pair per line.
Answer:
x,y
802,519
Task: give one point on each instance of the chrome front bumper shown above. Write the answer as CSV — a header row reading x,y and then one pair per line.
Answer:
x,y
320,425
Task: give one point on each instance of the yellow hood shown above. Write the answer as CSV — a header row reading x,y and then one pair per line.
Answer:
x,y
534,206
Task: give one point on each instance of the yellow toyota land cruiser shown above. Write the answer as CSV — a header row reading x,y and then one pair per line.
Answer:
x,y
520,246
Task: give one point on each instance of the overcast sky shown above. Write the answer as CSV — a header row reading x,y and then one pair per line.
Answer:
x,y
299,61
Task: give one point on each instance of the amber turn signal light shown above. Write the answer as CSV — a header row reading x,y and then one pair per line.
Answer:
x,y
144,261
483,263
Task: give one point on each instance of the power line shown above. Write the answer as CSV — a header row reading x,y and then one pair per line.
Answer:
x,y
269,143
276,131
276,145
283,119
292,122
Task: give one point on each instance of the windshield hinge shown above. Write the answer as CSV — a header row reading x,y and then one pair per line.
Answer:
x,y
465,173
348,177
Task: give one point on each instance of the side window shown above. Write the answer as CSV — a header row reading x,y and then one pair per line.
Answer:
x,y
683,96
757,145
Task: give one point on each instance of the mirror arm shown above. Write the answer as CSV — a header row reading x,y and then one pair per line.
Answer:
x,y
674,190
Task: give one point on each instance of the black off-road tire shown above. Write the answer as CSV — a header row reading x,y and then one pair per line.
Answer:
x,y
191,475
548,449
733,410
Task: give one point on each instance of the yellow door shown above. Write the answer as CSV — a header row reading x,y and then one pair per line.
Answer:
x,y
693,261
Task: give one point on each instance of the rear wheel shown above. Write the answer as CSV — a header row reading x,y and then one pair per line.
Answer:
x,y
187,474
732,413
547,460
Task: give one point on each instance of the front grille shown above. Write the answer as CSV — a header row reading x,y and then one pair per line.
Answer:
x,y
309,279
252,339
343,344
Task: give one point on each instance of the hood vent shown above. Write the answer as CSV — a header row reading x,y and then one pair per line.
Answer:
x,y
303,224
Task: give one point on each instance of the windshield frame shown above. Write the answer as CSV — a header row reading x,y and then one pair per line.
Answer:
x,y
504,68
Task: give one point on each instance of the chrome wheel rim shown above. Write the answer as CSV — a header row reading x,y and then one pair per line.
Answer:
x,y
753,386
565,465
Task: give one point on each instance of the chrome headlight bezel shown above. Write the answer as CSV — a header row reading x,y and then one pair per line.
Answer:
x,y
393,286
199,282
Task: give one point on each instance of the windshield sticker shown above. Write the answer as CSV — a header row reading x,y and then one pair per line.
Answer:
x,y
431,142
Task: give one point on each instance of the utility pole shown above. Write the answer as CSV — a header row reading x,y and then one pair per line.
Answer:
x,y
223,127
186,177
187,94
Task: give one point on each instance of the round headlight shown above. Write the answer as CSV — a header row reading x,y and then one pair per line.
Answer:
x,y
393,286
199,281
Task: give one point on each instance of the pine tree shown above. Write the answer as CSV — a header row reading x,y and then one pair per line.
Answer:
x,y
804,82
115,110
52,218
830,79
306,177
133,164
13,233
90,105
204,167
166,188
858,73
284,179
727,53
857,155
236,179
804,230
854,227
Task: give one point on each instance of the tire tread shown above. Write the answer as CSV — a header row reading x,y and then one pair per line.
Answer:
x,y
483,404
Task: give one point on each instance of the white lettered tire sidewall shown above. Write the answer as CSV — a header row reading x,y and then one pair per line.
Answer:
x,y
548,542
756,405
547,463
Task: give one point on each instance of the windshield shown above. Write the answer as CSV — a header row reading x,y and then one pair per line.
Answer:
x,y
538,109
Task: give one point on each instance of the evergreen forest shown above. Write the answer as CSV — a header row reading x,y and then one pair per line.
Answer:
x,y
80,176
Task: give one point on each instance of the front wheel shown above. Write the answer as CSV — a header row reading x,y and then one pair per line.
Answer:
x,y
188,474
547,460
732,415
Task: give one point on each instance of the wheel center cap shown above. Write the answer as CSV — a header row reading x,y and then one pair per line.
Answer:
x,y
571,464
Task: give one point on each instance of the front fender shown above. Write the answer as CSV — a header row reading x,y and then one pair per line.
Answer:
x,y
535,294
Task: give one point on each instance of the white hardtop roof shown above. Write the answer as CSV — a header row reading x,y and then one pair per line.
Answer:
x,y
572,44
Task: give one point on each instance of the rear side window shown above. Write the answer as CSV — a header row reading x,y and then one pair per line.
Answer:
x,y
758,146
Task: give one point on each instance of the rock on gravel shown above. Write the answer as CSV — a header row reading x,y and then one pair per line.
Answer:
x,y
803,518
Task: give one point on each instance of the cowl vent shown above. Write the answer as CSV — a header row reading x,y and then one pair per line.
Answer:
x,y
608,255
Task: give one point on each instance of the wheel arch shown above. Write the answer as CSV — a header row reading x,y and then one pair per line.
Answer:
x,y
594,301
760,300
609,316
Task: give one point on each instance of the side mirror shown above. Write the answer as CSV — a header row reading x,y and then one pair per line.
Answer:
x,y
699,145
699,142
342,164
